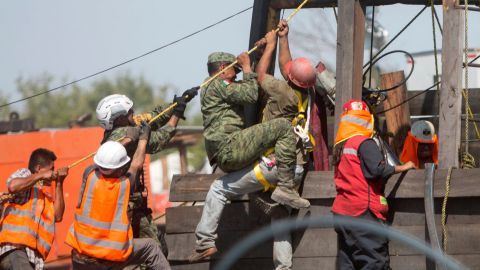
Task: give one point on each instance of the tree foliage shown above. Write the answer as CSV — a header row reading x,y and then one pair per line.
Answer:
x,y
56,109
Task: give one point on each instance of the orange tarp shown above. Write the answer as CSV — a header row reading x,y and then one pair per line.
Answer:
x,y
69,146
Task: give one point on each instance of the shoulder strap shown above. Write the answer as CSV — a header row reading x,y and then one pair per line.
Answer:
x,y
86,173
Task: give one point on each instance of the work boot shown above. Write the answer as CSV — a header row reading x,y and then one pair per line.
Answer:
x,y
263,201
200,255
290,197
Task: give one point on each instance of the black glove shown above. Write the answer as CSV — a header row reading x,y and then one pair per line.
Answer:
x,y
144,131
132,133
190,93
179,109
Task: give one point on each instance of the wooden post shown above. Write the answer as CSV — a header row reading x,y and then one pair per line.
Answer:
x,y
350,39
182,150
451,87
398,119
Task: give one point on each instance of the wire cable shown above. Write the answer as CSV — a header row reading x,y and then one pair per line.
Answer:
x,y
382,56
410,98
397,35
129,60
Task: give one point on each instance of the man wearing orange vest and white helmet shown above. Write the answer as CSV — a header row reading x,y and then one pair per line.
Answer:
x,y
421,144
360,177
27,222
101,234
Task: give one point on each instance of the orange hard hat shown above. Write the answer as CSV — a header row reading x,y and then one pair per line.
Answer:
x,y
301,72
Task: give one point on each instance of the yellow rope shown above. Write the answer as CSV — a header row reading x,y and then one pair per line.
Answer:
x,y
444,210
468,161
202,85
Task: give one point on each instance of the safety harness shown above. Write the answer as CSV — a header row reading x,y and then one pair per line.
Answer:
x,y
301,126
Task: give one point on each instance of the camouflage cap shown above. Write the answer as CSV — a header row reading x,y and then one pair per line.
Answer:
x,y
221,57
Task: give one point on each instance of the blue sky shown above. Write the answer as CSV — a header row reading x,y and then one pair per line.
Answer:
x,y
71,39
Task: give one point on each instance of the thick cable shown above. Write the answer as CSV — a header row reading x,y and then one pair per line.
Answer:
x,y
127,61
434,41
285,226
209,80
397,35
408,99
400,83
371,47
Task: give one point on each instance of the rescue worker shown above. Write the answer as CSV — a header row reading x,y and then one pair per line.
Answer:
x,y
27,222
421,144
232,146
101,235
282,102
115,115
360,177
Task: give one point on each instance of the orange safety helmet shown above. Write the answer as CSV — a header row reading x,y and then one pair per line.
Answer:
x,y
301,72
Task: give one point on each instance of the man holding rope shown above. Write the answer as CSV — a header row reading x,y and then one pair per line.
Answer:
x,y
115,115
27,222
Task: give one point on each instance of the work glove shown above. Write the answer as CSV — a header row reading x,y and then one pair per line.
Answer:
x,y
144,131
133,133
190,93
179,109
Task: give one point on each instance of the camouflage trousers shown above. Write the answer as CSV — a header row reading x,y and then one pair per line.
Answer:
x,y
245,147
142,221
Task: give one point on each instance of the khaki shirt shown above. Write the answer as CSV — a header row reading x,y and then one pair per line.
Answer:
x,y
282,101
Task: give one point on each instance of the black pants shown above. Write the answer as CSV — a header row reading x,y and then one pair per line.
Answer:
x,y
360,249
16,259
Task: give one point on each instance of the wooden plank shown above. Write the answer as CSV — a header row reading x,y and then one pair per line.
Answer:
x,y
350,39
417,262
451,86
398,119
459,242
290,4
320,185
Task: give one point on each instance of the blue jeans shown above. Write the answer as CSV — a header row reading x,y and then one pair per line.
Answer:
x,y
231,186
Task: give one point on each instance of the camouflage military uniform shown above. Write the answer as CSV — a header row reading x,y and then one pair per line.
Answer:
x,y
233,147
142,224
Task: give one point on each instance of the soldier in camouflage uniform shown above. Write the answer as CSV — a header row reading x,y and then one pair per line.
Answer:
x,y
232,146
115,114
235,149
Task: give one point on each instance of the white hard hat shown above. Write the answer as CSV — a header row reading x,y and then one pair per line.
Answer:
x,y
111,155
423,130
111,107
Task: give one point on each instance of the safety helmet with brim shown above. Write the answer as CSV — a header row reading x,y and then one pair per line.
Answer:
x,y
111,155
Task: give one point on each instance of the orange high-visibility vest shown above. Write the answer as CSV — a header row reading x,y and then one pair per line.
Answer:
x,y
101,228
31,224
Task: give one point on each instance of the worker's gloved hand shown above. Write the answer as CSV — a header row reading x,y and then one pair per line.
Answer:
x,y
144,131
190,93
179,109
133,133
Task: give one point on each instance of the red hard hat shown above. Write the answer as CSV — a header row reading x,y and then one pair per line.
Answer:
x,y
301,72
355,105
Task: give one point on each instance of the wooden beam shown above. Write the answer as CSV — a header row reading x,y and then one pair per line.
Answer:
x,y
290,4
350,39
398,119
451,87
320,185
264,18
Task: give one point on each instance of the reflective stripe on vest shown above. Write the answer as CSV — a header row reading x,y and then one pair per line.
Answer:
x,y
91,234
350,151
357,121
30,224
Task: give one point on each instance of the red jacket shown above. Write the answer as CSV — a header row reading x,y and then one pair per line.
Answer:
x,y
356,194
